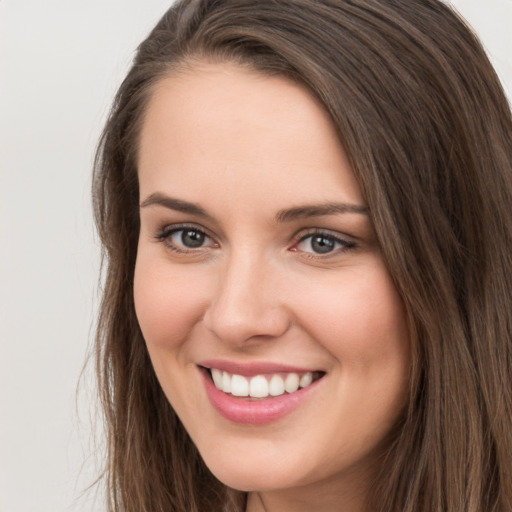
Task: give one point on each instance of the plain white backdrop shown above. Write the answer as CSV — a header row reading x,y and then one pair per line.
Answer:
x,y
60,64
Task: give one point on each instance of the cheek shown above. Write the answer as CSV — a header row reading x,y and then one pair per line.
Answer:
x,y
359,318
168,304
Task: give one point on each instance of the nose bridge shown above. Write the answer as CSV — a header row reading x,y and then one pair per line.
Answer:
x,y
246,303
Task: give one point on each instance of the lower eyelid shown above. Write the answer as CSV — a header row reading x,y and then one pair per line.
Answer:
x,y
166,234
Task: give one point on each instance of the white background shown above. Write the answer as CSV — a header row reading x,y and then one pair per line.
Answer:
x,y
60,63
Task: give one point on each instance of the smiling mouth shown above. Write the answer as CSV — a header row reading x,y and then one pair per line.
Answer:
x,y
262,386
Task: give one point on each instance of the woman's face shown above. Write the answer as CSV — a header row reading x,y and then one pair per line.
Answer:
x,y
257,265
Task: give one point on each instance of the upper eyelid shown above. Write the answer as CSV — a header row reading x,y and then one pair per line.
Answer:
x,y
173,228
299,236
347,242
165,234
303,234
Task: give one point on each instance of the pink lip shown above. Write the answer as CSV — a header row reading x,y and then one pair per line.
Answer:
x,y
254,412
251,369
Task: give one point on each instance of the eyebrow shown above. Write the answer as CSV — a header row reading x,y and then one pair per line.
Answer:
x,y
317,210
174,204
285,215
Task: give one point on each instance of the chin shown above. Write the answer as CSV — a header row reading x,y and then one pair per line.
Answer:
x,y
251,478
247,472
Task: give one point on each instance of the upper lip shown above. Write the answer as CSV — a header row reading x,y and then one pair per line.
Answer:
x,y
253,368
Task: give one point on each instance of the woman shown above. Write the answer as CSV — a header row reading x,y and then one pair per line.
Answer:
x,y
305,208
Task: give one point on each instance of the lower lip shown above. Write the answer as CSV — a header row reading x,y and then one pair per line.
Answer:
x,y
254,412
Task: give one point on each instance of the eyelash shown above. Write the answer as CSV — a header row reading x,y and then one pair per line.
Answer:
x,y
346,245
166,234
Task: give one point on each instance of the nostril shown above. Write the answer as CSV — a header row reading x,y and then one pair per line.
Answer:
x,y
245,305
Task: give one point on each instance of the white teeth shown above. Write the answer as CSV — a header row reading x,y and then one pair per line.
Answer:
x,y
291,384
217,378
260,386
226,382
306,380
276,386
239,386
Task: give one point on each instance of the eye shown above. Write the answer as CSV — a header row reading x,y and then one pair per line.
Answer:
x,y
185,238
189,238
320,243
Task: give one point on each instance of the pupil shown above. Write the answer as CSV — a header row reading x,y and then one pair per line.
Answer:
x,y
192,238
322,244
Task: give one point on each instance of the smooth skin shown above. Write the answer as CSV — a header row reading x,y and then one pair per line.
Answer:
x,y
233,264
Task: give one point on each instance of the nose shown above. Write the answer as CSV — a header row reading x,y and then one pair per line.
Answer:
x,y
246,304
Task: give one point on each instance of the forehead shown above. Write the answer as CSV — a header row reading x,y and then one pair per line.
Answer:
x,y
220,123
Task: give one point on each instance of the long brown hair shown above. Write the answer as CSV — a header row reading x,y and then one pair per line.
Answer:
x,y
426,125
